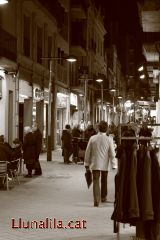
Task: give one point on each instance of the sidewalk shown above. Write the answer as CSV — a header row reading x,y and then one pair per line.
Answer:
x,y
61,195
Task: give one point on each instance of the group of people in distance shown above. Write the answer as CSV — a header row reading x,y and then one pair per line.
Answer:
x,y
70,138
29,149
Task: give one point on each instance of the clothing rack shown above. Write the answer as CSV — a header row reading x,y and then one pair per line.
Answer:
x,y
116,225
136,137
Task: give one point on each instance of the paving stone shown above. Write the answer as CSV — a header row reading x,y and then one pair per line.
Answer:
x,y
60,193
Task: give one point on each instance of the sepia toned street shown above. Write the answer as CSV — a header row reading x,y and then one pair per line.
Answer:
x,y
61,196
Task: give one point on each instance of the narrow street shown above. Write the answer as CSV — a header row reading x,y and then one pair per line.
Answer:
x,y
62,196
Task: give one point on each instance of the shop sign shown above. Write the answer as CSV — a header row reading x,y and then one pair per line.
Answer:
x,y
61,101
73,99
38,94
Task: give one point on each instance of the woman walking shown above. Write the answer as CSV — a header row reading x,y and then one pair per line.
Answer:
x,y
29,150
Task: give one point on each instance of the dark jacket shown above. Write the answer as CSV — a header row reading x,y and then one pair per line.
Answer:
x,y
66,139
76,132
17,152
155,170
29,148
144,184
89,132
126,204
5,152
38,137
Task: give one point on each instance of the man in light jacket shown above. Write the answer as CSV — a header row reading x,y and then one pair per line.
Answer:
x,y
99,153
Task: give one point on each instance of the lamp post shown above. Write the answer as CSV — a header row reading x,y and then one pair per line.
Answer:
x,y
157,44
113,90
51,87
85,100
101,82
84,78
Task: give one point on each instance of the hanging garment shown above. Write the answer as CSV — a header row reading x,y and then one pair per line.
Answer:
x,y
144,180
126,202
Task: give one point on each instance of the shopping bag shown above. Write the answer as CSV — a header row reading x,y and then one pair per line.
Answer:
x,y
88,177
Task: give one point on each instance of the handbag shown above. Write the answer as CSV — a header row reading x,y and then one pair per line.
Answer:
x,y
88,177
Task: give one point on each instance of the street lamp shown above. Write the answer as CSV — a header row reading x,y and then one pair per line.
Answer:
x,y
99,80
85,79
3,2
51,86
113,90
141,68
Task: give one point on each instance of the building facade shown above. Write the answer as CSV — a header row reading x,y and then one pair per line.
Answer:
x,y
88,45
33,34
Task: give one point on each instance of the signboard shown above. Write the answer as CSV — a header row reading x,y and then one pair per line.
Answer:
x,y
38,94
61,100
73,99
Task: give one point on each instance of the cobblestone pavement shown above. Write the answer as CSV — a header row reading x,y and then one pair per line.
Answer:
x,y
59,196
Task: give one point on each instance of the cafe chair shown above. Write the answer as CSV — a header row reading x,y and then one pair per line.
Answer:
x,y
14,169
4,173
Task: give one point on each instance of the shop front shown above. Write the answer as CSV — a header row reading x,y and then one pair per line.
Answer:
x,y
25,106
62,114
74,118
8,107
40,111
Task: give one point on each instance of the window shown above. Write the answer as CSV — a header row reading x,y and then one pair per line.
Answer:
x,y
49,46
39,44
26,36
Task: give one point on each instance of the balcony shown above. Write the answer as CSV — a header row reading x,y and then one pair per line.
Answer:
x,y
78,43
78,47
79,9
8,45
56,10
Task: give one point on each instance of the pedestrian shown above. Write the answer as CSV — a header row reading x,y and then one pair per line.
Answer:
x,y
82,125
67,147
29,150
17,149
5,153
99,152
90,131
38,135
76,134
5,150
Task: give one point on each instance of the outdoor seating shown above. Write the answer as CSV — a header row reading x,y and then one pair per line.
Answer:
x,y
14,169
4,173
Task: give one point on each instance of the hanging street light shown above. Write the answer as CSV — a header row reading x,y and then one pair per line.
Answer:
x,y
3,2
99,80
71,59
141,68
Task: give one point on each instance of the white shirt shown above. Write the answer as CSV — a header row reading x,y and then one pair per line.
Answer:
x,y
99,152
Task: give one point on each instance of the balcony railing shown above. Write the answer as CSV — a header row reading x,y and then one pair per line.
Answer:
x,y
55,8
151,37
8,45
80,3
